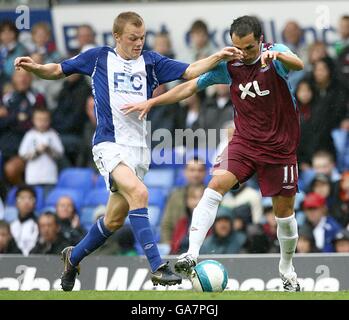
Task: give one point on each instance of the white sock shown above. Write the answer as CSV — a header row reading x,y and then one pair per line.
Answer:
x,y
203,218
287,233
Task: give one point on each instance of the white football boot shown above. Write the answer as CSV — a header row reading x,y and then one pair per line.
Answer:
x,y
290,282
185,264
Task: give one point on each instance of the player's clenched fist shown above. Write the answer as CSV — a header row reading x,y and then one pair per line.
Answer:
x,y
231,53
268,56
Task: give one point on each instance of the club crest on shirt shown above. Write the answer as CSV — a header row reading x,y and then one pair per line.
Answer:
x,y
264,68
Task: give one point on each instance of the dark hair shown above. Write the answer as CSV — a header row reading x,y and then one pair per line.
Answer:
x,y
50,214
26,188
310,85
330,66
8,24
199,25
245,25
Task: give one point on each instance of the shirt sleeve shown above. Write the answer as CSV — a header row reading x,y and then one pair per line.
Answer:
x,y
280,67
167,69
26,147
83,63
218,75
56,143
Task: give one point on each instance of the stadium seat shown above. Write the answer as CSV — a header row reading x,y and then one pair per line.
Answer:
x,y
40,197
160,178
157,197
76,178
55,194
87,218
10,213
100,183
92,200
154,213
96,197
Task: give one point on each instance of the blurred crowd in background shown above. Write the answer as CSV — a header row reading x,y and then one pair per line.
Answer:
x,y
46,128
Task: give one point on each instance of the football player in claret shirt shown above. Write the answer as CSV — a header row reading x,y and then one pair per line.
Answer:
x,y
124,74
264,142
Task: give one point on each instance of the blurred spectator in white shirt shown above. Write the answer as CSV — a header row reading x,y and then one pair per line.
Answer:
x,y
41,147
24,229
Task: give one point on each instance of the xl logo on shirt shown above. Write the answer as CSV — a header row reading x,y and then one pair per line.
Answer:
x,y
245,90
127,82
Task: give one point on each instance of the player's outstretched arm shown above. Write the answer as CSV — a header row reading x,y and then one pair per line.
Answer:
x,y
291,61
50,71
176,94
202,66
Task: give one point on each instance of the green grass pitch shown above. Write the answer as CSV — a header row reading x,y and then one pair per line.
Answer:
x,y
171,295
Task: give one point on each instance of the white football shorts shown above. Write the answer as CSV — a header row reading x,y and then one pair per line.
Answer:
x,y
107,155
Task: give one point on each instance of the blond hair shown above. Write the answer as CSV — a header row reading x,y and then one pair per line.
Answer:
x,y
126,17
41,25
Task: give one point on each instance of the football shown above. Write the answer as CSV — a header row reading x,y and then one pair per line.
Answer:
x,y
209,276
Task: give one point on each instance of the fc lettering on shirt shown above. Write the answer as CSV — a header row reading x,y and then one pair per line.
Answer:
x,y
124,81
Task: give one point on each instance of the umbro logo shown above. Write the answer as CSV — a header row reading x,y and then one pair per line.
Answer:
x,y
194,229
237,64
288,187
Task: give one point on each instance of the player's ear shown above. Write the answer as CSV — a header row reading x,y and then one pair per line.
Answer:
x,y
116,36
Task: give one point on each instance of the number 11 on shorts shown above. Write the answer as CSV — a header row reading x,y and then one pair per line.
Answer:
x,y
289,172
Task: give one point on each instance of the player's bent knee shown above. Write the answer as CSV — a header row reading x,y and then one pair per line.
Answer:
x,y
140,194
220,184
214,185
